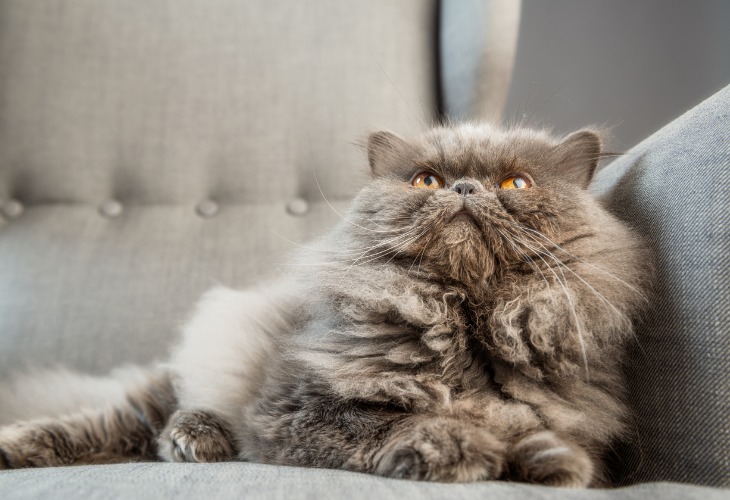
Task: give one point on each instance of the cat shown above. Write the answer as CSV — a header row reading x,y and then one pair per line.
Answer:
x,y
466,320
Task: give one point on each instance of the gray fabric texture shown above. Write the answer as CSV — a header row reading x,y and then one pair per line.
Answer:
x,y
675,189
158,103
83,290
254,481
162,106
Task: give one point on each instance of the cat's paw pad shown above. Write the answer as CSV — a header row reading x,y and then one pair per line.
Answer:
x,y
544,458
441,450
197,436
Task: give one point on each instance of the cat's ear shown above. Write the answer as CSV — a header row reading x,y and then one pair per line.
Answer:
x,y
385,149
577,155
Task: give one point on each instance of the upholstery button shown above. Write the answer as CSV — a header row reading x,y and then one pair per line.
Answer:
x,y
111,209
297,206
12,209
207,208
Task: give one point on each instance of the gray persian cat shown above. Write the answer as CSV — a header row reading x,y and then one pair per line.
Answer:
x,y
466,320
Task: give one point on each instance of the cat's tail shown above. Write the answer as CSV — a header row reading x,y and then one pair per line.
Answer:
x,y
60,418
53,393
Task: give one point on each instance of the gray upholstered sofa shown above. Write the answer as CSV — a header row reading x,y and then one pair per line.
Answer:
x,y
150,149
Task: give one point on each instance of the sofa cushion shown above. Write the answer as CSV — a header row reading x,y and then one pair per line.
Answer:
x,y
254,481
675,189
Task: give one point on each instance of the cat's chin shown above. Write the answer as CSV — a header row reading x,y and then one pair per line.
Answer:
x,y
462,253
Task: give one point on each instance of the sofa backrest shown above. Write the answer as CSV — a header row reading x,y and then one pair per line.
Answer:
x,y
151,149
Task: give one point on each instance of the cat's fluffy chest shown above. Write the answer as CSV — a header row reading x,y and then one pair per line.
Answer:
x,y
397,337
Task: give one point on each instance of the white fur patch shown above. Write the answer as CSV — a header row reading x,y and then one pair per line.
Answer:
x,y
226,345
47,393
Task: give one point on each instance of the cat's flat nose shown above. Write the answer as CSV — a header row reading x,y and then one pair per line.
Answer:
x,y
465,188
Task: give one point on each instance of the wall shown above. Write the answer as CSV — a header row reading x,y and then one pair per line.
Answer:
x,y
633,65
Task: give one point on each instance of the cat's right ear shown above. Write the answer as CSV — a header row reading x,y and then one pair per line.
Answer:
x,y
385,151
578,156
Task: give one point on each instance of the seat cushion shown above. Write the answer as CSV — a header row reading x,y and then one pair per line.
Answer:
x,y
254,481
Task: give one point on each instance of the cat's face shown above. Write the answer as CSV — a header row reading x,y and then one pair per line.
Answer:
x,y
466,201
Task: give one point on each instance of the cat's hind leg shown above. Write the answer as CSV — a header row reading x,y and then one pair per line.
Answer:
x,y
226,347
219,365
119,433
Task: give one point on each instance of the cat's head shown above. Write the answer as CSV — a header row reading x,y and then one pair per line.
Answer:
x,y
466,201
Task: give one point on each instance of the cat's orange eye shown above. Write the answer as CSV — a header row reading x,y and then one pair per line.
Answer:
x,y
427,180
516,182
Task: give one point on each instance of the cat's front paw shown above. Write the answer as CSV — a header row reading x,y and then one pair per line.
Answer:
x,y
544,458
441,450
196,436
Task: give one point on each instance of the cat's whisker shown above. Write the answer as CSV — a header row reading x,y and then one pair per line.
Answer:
x,y
402,247
385,219
525,230
397,249
384,244
408,104
568,295
598,294
590,287
563,284
561,266
420,261
528,260
419,254
313,249
320,264
321,192
589,264
378,254
343,253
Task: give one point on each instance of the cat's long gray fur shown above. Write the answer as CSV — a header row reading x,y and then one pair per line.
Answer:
x,y
454,334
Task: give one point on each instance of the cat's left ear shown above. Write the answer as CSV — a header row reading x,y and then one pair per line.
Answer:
x,y
577,155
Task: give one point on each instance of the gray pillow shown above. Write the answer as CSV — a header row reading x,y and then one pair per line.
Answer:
x,y
674,188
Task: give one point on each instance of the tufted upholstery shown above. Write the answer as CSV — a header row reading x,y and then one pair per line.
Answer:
x,y
149,150
118,119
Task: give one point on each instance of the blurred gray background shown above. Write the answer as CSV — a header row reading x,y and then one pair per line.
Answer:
x,y
632,65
